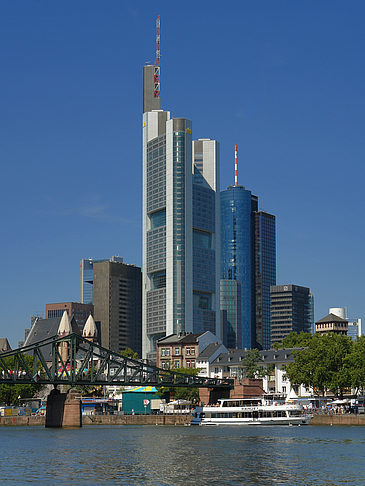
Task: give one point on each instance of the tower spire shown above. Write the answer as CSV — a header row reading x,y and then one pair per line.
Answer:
x,y
235,166
156,77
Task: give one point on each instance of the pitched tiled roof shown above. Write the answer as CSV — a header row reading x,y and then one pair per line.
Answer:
x,y
331,318
186,338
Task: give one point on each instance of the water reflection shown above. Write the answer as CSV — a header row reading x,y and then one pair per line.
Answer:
x,y
184,456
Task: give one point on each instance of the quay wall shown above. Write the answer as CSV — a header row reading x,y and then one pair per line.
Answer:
x,y
338,420
165,420
104,420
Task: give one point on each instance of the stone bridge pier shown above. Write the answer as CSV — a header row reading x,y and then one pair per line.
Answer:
x,y
64,409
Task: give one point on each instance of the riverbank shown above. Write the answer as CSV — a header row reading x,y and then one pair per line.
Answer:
x,y
347,419
103,420
165,420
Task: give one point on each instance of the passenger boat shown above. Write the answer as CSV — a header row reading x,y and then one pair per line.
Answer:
x,y
251,411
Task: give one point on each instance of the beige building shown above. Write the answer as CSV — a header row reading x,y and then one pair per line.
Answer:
x,y
332,323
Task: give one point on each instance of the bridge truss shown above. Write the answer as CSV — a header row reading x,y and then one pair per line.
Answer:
x,y
87,363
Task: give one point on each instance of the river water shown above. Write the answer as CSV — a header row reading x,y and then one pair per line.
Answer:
x,y
161,455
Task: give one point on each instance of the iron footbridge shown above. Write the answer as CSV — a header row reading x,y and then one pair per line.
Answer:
x,y
74,360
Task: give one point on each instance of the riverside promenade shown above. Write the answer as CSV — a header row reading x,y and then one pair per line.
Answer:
x,y
165,420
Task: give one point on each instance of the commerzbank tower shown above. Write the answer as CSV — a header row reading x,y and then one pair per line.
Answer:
x,y
181,233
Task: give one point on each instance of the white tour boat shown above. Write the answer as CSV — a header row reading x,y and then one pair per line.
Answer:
x,y
251,411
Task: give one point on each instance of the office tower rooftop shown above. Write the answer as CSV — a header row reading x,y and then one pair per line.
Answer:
x,y
291,310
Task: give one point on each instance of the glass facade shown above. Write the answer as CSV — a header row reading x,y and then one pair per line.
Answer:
x,y
230,300
237,250
179,229
264,274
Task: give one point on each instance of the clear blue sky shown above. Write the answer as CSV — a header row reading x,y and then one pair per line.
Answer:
x,y
284,80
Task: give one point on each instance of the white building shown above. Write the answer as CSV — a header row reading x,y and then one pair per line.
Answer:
x,y
181,234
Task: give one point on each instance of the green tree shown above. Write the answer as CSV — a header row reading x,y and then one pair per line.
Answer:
x,y
129,353
252,366
12,394
182,393
323,364
295,340
355,363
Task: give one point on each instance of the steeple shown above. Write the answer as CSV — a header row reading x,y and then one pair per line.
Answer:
x,y
65,325
90,331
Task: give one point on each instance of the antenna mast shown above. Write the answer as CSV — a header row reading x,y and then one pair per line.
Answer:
x,y
156,77
235,166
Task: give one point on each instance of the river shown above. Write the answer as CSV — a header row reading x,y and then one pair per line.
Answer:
x,y
161,455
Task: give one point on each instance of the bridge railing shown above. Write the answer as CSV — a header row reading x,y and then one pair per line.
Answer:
x,y
74,360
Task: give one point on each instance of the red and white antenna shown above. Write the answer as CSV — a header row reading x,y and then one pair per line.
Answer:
x,y
156,77
235,166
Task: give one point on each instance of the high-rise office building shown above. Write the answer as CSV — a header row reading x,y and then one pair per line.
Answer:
x,y
86,277
291,311
237,253
180,223
248,254
230,294
264,274
117,304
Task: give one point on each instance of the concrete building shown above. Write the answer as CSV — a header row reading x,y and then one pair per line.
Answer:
x,y
332,323
86,277
180,224
291,311
79,311
182,350
117,304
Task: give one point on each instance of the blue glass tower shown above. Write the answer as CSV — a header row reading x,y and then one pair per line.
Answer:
x,y
237,252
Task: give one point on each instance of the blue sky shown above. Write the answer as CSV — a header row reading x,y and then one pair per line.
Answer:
x,y
284,80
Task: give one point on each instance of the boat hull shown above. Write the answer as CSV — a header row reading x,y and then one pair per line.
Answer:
x,y
304,420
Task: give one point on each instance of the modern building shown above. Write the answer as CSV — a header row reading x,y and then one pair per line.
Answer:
x,y
332,323
79,311
180,223
230,294
248,255
182,350
291,310
264,275
237,254
86,277
117,304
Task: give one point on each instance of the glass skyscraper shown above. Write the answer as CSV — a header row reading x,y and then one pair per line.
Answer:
x,y
248,255
236,252
181,231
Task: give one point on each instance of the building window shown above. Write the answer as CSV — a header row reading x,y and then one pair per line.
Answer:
x,y
192,351
177,364
167,351
188,364
177,350
163,352
284,389
187,351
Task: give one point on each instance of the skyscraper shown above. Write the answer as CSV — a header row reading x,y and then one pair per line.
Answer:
x,y
87,277
237,252
264,274
291,311
117,304
180,222
248,254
